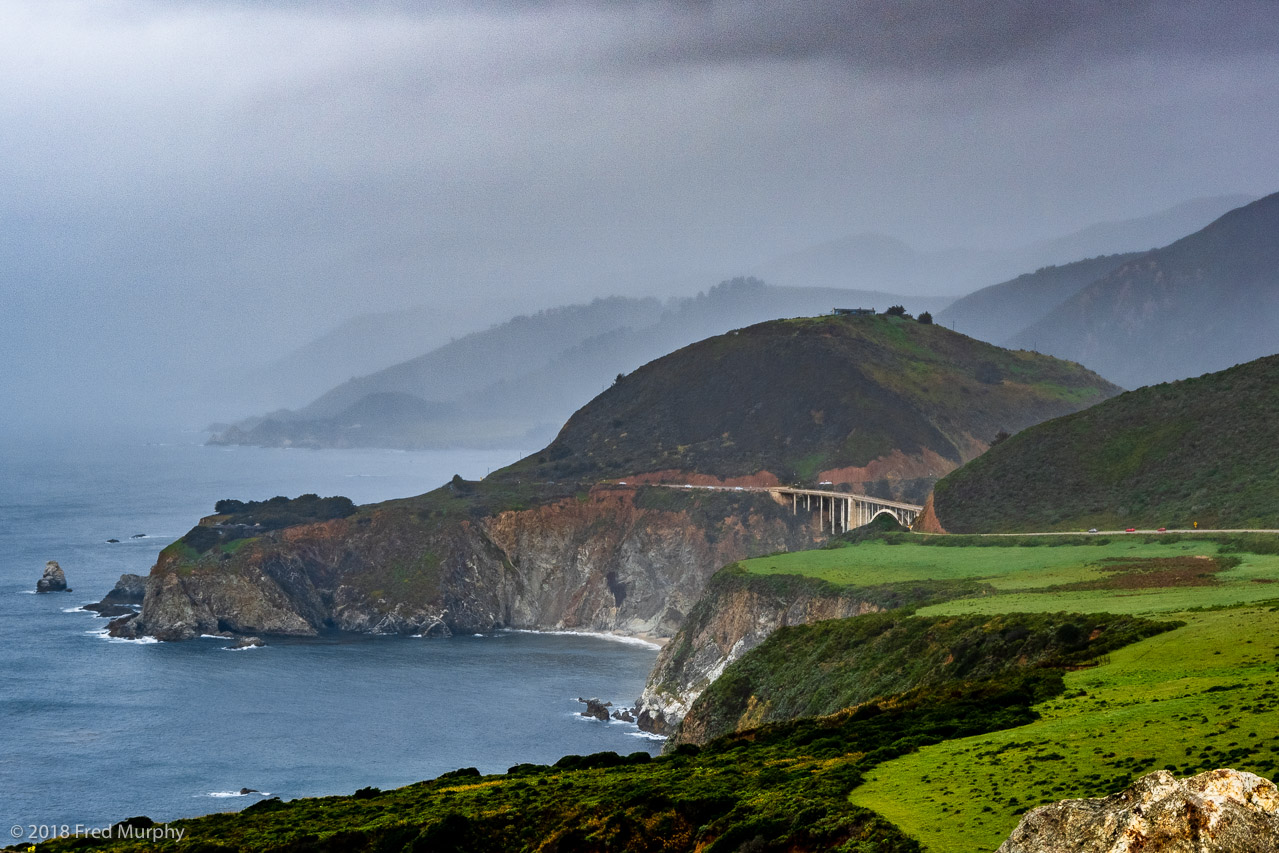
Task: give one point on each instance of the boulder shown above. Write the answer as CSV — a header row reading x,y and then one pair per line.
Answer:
x,y
595,708
248,643
125,628
53,580
654,722
1220,811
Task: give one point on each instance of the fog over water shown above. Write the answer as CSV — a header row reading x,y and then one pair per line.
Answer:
x,y
194,189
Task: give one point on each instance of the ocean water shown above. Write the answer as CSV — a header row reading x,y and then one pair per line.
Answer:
x,y
93,730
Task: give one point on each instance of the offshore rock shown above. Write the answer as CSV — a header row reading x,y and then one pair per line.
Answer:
x,y
595,708
125,628
53,579
248,643
1220,811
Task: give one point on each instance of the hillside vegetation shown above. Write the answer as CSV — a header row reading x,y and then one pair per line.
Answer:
x,y
885,403
884,654
1201,450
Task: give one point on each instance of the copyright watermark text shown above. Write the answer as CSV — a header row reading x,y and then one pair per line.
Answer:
x,y
135,829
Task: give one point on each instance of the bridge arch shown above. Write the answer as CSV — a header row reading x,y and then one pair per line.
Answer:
x,y
896,514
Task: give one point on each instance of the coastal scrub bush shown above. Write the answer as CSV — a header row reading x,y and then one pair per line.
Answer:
x,y
280,511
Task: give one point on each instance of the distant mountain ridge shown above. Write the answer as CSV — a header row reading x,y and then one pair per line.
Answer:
x,y
514,383
878,261
1202,303
999,312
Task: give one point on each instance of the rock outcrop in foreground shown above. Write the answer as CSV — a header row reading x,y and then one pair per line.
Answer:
x,y
53,579
1221,811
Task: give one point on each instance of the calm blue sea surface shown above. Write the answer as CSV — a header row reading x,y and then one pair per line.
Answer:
x,y
93,730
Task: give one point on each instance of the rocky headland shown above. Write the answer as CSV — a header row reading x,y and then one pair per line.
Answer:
x,y
611,559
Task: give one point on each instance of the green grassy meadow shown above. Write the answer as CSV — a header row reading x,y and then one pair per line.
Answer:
x,y
1040,576
1195,698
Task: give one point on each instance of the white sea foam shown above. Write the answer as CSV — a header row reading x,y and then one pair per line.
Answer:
x,y
646,735
615,638
240,649
79,609
141,641
238,794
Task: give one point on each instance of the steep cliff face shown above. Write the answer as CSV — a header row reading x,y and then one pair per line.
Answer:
x,y
737,612
611,559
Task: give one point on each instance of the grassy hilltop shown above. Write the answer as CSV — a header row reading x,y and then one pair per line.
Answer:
x,y
853,399
1204,450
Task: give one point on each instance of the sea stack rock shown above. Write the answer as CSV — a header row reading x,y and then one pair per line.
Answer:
x,y
248,643
1220,810
53,580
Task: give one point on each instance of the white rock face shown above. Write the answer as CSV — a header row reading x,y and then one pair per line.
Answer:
x,y
1220,811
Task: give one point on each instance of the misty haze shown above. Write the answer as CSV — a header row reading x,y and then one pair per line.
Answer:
x,y
587,426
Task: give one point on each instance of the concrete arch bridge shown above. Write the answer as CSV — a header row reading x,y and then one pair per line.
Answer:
x,y
841,511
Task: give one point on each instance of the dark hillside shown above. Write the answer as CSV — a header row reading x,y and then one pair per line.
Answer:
x,y
885,403
1203,303
1204,450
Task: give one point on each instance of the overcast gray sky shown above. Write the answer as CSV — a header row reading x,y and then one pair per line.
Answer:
x,y
194,186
